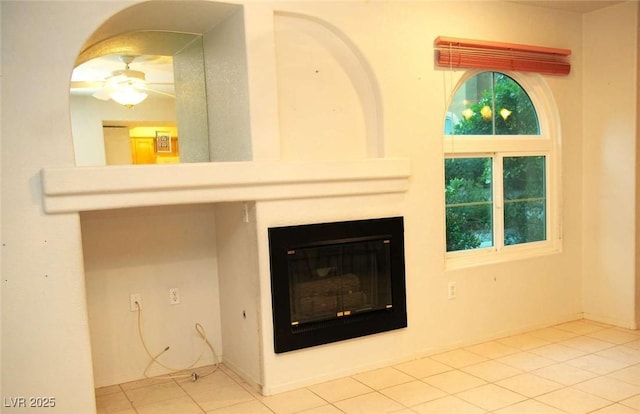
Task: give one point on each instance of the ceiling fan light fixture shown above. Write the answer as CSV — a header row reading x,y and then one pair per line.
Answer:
x,y
127,95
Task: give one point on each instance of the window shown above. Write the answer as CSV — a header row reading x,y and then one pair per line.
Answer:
x,y
497,166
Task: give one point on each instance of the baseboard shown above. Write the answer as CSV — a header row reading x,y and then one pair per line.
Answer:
x,y
626,324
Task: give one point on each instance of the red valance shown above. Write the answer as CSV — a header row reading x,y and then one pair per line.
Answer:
x,y
465,53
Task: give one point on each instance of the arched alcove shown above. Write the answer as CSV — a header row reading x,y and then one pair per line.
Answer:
x,y
204,45
329,100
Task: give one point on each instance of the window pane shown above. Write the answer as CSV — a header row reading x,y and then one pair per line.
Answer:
x,y
525,202
491,103
469,203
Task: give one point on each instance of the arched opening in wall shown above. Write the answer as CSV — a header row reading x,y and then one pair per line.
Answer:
x,y
329,99
143,69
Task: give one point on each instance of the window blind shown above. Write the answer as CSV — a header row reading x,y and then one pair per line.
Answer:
x,y
465,53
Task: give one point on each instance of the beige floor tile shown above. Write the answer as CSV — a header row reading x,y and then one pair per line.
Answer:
x,y
575,367
206,383
202,372
112,389
155,393
492,349
145,382
616,335
587,344
523,342
223,396
564,374
372,403
633,402
448,405
573,401
490,397
529,385
581,327
383,378
529,407
553,334
293,401
526,361
622,354
609,388
112,403
340,389
597,364
252,407
558,352
616,409
454,381
234,376
324,409
633,344
182,405
212,388
492,371
459,358
630,375
423,367
413,393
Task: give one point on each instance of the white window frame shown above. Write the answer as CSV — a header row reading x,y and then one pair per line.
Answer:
x,y
546,144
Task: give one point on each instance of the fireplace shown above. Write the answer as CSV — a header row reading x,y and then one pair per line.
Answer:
x,y
336,281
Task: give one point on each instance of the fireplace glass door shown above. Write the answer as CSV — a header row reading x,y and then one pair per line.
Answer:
x,y
339,280
336,281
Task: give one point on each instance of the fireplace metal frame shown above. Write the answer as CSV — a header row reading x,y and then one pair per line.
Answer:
x,y
288,337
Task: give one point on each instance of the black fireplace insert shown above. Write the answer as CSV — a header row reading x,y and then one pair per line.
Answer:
x,y
336,281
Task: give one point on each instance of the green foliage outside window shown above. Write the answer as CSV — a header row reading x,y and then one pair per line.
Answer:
x,y
468,197
503,108
524,199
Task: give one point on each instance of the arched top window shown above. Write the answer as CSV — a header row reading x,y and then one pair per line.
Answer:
x,y
491,103
500,170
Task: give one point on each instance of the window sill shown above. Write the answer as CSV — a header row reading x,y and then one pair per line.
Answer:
x,y
465,260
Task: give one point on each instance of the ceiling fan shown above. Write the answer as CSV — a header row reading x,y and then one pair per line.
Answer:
x,y
126,86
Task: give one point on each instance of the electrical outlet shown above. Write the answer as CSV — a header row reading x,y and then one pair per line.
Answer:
x,y
451,290
174,296
133,298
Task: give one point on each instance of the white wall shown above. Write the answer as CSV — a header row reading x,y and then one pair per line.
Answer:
x,y
44,313
147,251
239,282
609,181
43,282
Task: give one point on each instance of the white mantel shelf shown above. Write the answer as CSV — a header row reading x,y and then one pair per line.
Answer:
x,y
75,189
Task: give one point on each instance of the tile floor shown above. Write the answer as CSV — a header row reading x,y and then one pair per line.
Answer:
x,y
575,367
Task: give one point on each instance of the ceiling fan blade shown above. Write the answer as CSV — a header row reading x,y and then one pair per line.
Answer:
x,y
102,94
86,84
159,92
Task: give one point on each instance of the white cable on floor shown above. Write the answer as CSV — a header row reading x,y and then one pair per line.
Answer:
x,y
154,359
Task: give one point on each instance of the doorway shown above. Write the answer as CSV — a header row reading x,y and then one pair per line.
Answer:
x,y
141,143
